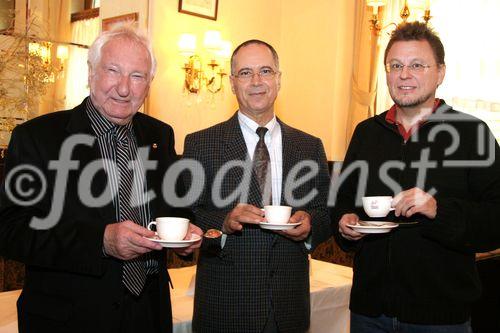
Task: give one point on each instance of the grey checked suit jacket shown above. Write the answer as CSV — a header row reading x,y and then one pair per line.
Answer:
x,y
257,269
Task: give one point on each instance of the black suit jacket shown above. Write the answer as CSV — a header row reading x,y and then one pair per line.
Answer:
x,y
69,283
235,284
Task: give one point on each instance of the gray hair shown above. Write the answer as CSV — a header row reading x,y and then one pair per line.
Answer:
x,y
125,32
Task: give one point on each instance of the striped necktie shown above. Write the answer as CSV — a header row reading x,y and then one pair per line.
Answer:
x,y
262,167
134,271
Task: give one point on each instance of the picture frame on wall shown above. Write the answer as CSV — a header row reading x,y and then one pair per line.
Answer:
x,y
201,8
110,22
7,16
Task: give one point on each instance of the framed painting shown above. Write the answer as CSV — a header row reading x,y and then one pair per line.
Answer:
x,y
7,14
201,8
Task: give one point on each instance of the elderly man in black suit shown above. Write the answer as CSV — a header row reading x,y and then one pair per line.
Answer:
x,y
95,172
251,279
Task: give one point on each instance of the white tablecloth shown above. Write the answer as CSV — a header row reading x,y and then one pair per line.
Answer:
x,y
330,292
8,311
330,288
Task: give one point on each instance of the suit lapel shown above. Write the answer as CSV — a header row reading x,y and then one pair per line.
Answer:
x,y
80,124
146,140
235,149
234,143
287,156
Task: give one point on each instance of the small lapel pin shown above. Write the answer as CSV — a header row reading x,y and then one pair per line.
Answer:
x,y
155,146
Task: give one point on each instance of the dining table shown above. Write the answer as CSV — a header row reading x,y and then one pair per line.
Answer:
x,y
330,286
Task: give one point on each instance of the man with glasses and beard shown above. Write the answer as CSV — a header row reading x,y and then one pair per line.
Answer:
x,y
443,169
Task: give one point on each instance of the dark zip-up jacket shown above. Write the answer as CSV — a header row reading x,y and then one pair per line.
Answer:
x,y
423,272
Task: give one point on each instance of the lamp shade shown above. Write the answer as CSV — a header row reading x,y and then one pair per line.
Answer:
x,y
376,3
34,48
187,44
212,40
62,52
45,53
225,49
418,4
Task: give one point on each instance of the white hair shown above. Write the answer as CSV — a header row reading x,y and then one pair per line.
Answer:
x,y
122,31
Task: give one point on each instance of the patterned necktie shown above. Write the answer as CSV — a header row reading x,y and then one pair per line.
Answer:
x,y
262,167
134,271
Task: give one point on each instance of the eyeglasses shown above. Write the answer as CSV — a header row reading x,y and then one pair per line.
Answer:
x,y
264,74
413,68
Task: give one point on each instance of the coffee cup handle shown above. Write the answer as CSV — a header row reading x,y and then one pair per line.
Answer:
x,y
150,224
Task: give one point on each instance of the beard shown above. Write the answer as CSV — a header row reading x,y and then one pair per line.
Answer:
x,y
410,103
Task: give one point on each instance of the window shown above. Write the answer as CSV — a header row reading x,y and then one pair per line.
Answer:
x,y
469,31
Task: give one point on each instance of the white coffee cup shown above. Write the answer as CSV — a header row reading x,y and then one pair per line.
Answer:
x,y
170,229
378,206
277,214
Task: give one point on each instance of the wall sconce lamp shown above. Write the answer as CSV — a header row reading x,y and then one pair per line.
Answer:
x,y
375,25
39,62
199,72
62,54
41,50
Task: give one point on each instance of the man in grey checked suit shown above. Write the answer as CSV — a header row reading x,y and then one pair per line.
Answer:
x,y
251,279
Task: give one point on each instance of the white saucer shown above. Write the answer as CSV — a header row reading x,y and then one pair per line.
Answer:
x,y
176,244
373,227
279,226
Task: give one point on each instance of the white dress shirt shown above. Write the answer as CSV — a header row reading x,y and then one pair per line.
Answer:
x,y
274,146
273,140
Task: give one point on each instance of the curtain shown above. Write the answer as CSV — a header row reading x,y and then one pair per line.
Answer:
x,y
469,31
82,32
62,10
364,74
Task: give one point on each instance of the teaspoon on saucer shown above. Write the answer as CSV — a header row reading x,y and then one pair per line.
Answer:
x,y
212,233
375,223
